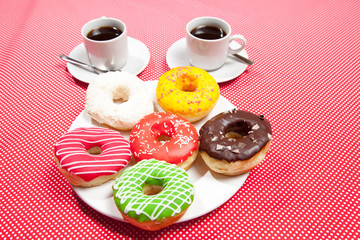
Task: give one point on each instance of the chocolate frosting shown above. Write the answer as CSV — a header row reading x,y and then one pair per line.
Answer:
x,y
246,134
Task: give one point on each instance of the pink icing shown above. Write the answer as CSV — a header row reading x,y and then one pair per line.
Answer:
x,y
71,151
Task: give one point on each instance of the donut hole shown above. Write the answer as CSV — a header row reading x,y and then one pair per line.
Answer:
x,y
238,130
96,150
149,189
163,131
119,100
232,134
186,83
120,95
163,138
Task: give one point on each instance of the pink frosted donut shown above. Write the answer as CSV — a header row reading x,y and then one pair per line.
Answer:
x,y
88,157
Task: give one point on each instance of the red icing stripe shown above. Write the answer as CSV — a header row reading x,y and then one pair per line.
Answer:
x,y
71,150
144,138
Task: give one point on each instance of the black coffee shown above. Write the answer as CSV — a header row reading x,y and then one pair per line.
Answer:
x,y
104,33
208,32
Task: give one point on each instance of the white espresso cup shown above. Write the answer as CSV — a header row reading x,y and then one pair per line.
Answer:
x,y
208,53
110,54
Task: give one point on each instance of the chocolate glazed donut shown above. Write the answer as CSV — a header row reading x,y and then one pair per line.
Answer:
x,y
234,142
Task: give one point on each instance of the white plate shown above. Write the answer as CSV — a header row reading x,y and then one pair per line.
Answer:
x,y
232,68
211,189
139,57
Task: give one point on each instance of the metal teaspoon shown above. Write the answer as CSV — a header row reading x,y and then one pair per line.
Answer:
x,y
83,65
244,59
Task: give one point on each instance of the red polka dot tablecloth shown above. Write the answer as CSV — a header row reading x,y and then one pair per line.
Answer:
x,y
306,81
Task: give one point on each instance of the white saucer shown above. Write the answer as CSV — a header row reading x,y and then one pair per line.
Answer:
x,y
139,57
232,68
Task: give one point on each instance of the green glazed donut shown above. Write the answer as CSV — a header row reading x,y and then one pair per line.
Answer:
x,y
175,197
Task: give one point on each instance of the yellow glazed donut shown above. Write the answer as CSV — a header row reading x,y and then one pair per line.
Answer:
x,y
189,92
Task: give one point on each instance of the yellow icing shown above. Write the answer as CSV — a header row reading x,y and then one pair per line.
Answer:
x,y
187,91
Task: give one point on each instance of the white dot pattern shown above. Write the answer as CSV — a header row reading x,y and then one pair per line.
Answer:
x,y
305,81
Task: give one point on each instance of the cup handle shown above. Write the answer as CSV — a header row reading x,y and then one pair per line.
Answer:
x,y
243,44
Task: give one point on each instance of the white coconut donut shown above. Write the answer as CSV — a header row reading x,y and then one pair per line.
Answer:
x,y
118,99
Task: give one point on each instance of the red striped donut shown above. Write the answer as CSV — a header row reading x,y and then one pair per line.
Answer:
x,y
167,137
91,156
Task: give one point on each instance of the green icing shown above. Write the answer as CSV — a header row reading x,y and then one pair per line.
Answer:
x,y
176,196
